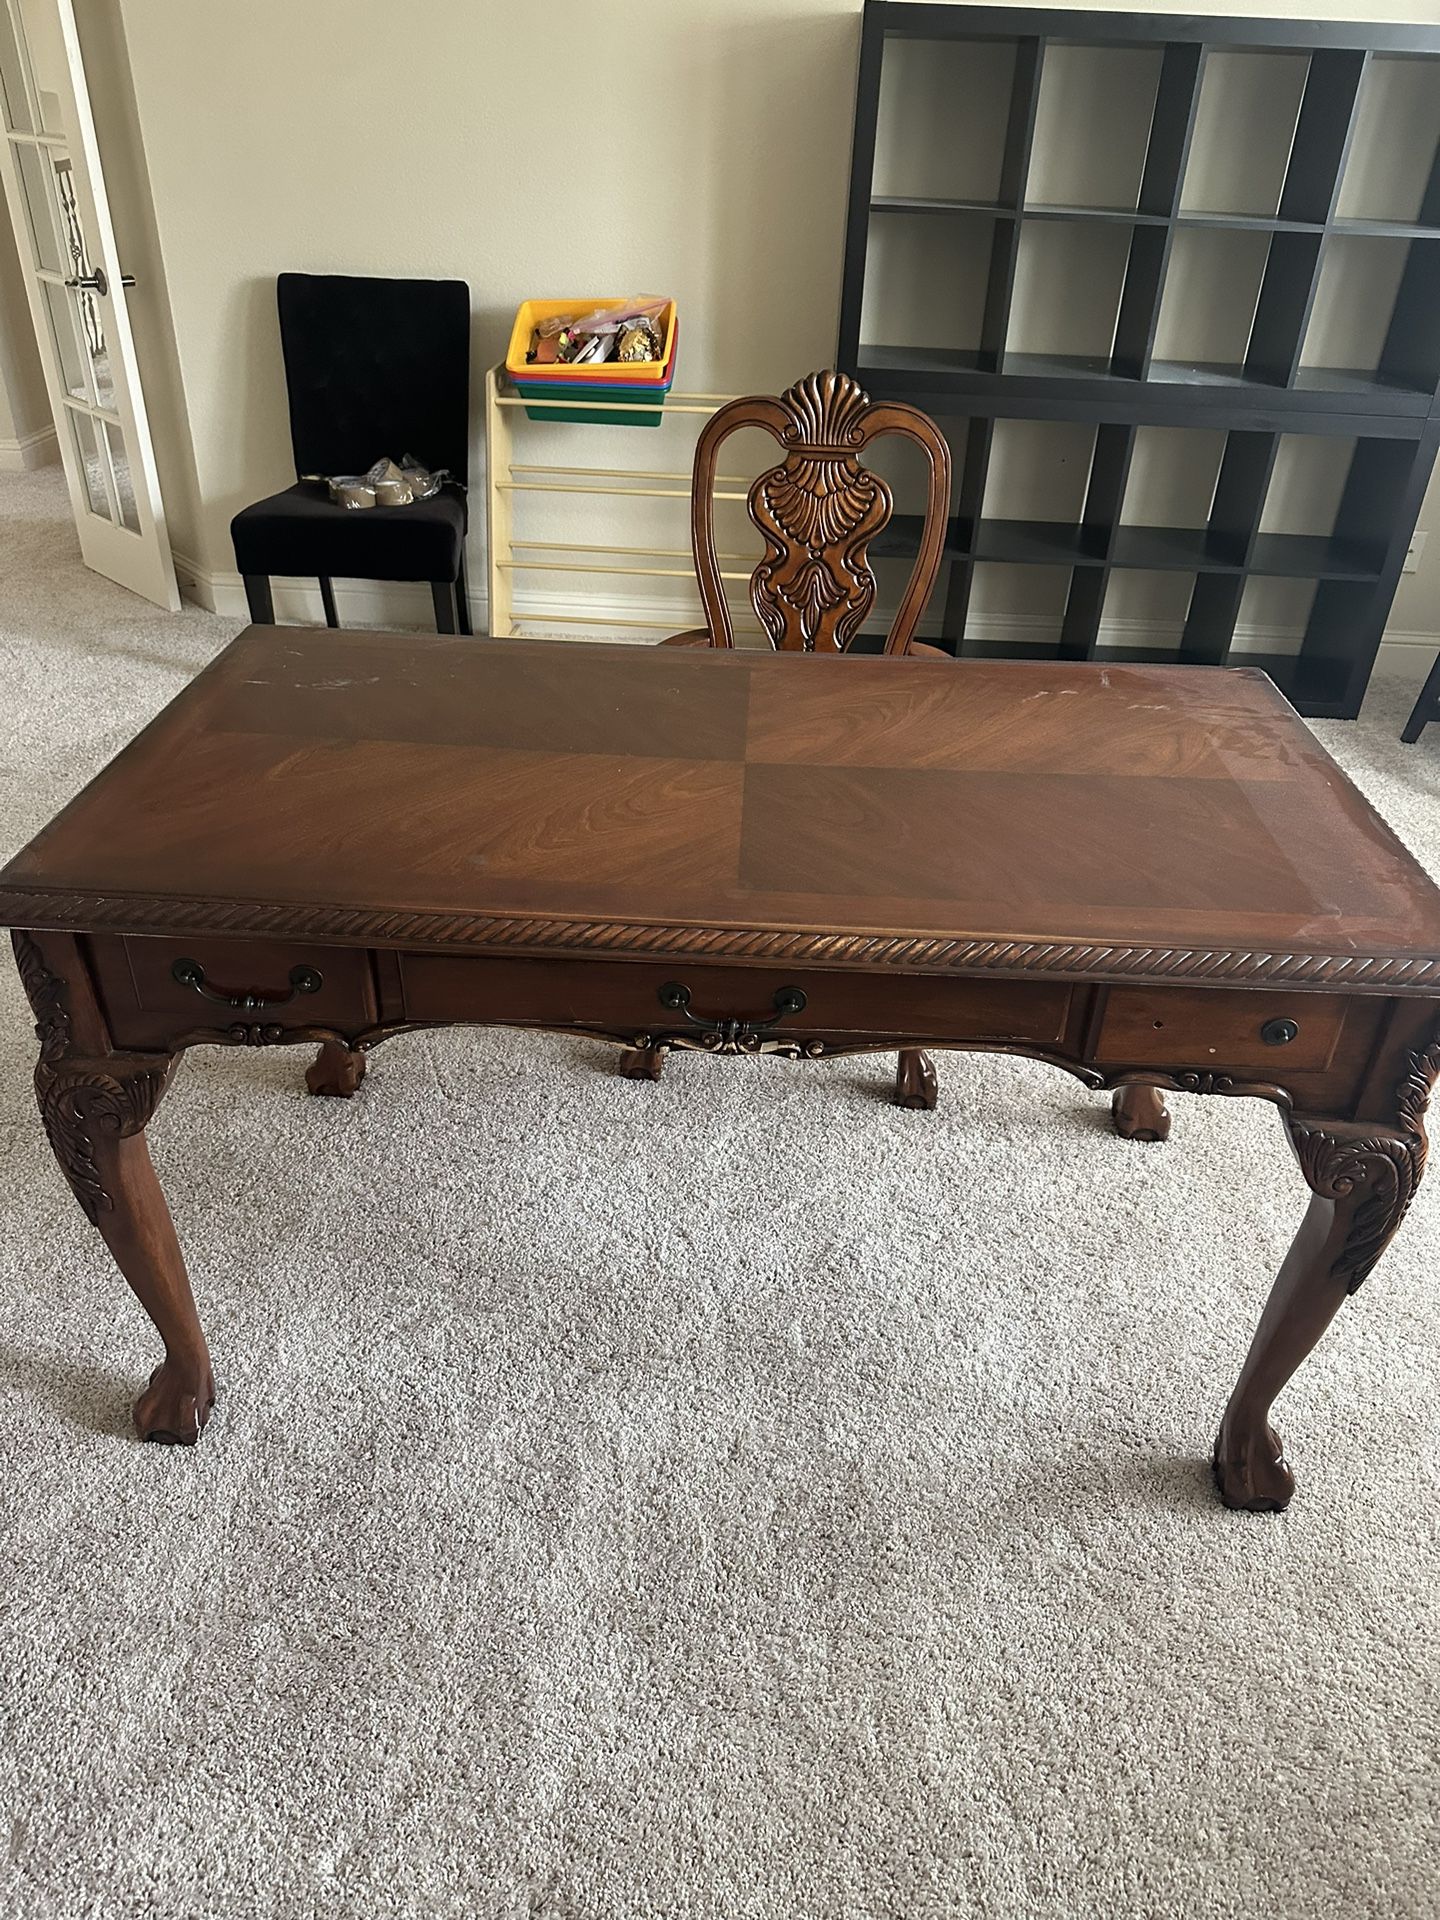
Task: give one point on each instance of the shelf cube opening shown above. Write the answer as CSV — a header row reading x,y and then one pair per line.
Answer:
x,y
1092,125
1016,609
944,110
1307,484
1244,127
1208,302
1394,150
1068,280
1038,471
925,280
1145,610
1273,619
1374,310
1172,477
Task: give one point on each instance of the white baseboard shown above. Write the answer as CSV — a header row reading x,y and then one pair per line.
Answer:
x,y
31,450
403,605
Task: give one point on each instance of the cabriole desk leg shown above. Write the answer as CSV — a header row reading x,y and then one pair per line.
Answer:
x,y
1362,1179
95,1104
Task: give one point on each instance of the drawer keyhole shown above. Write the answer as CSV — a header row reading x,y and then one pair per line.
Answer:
x,y
1278,1033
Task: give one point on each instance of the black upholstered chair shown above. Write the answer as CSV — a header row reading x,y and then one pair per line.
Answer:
x,y
374,368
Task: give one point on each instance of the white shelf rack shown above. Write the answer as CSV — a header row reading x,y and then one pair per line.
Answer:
x,y
510,481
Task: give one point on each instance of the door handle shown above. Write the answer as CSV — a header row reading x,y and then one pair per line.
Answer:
x,y
96,282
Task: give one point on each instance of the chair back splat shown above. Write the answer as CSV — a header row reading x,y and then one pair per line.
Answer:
x,y
376,368
818,511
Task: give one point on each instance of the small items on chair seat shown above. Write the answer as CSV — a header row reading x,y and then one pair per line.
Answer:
x,y
302,531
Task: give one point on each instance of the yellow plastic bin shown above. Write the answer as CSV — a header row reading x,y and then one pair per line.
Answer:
x,y
643,383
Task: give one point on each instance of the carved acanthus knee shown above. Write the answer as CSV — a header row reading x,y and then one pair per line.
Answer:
x,y
85,1103
84,1100
1373,1170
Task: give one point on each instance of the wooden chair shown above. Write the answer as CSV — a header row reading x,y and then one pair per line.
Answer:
x,y
814,588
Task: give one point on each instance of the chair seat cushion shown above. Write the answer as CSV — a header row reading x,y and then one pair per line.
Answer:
x,y
302,531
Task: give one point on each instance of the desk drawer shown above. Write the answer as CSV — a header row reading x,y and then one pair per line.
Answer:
x,y
1189,1027
291,985
625,998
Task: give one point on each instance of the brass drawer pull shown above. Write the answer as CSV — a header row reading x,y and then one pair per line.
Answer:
x,y
1279,1033
675,997
190,973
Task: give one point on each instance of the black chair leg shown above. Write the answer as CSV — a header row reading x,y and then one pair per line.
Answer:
x,y
258,599
327,600
443,596
462,596
1426,708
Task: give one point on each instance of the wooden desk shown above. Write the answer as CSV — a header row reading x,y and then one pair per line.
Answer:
x,y
1151,877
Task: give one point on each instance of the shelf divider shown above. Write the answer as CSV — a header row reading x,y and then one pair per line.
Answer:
x,y
1172,126
1235,510
969,500
862,174
1323,134
1014,172
1287,296
1099,524
1080,628
1311,190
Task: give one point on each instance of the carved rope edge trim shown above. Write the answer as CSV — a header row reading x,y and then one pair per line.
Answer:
x,y
157,914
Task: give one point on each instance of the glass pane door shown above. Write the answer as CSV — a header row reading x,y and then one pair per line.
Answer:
x,y
56,194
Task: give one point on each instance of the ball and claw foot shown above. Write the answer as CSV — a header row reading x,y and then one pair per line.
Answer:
x,y
174,1407
642,1063
337,1071
915,1083
1251,1474
1140,1113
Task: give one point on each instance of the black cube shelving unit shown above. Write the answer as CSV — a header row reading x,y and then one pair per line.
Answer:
x,y
1032,236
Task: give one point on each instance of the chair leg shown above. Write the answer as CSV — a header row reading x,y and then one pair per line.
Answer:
x,y
443,596
258,599
327,600
1425,707
462,596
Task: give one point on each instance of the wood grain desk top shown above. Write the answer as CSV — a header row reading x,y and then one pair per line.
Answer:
x,y
1141,823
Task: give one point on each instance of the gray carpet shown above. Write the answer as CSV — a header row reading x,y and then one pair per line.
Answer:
x,y
732,1497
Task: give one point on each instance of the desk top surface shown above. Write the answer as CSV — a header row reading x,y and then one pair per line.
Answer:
x,y
565,798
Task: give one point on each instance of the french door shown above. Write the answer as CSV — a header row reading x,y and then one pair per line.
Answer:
x,y
56,194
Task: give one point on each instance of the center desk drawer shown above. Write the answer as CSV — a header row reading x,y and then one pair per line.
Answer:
x,y
625,997
276,983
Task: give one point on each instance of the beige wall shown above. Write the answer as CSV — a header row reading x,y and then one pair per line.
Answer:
x,y
26,437
467,138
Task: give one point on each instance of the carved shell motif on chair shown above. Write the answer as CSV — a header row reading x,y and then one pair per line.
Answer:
x,y
818,511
